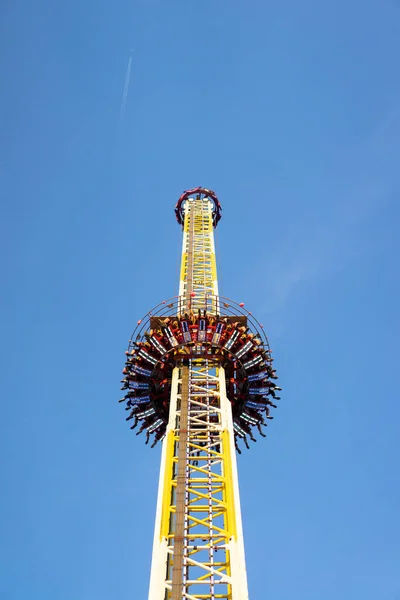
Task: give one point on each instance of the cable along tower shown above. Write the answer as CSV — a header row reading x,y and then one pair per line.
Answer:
x,y
199,376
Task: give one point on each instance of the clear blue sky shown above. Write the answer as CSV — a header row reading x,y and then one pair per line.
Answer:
x,y
290,110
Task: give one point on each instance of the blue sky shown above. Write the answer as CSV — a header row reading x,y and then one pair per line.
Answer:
x,y
291,112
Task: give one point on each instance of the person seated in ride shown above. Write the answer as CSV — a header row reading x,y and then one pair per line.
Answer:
x,y
138,363
131,415
137,411
256,404
185,331
258,391
157,423
141,385
198,349
259,376
159,435
163,385
254,414
225,332
238,450
147,412
169,336
131,361
271,392
191,317
210,331
229,328
140,371
136,421
219,329
147,356
245,348
245,416
146,424
255,360
255,339
201,328
260,430
155,341
125,385
145,344
272,372
251,436
212,320
184,349
267,413
175,328
232,340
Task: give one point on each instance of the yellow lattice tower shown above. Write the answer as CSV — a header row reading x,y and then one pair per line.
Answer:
x,y
198,376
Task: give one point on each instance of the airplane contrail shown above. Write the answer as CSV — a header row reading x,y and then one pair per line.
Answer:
x,y
126,89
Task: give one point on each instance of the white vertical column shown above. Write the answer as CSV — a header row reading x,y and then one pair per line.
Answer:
x,y
236,546
160,544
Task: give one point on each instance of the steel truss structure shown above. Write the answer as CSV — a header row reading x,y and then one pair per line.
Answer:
x,y
198,377
198,543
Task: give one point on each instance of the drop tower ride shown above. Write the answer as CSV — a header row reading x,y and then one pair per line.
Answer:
x,y
199,376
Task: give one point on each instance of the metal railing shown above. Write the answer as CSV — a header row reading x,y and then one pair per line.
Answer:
x,y
217,305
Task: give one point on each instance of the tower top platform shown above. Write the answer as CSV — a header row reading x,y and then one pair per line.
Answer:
x,y
198,193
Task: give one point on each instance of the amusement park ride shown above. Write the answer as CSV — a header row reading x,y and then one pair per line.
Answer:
x,y
199,376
